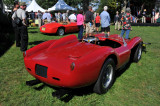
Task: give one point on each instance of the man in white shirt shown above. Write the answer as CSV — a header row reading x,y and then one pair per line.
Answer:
x,y
22,28
72,17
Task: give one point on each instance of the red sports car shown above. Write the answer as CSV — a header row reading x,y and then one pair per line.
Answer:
x,y
59,28
71,63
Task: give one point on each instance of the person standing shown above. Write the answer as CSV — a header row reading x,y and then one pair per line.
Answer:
x,y
72,17
153,16
97,20
32,15
39,15
144,16
80,23
22,28
105,21
120,16
126,21
156,16
59,17
15,27
46,17
117,21
89,20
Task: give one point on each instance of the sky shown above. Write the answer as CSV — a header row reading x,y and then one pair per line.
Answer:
x,y
27,1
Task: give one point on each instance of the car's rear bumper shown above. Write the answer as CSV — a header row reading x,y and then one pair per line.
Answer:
x,y
48,30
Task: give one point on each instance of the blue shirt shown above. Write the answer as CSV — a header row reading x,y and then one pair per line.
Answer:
x,y
105,19
46,16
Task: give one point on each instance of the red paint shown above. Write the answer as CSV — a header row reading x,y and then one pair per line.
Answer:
x,y
52,28
58,55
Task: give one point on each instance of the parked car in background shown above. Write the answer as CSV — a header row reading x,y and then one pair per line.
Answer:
x,y
59,28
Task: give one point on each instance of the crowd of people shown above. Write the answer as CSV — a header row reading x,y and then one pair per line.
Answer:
x,y
89,21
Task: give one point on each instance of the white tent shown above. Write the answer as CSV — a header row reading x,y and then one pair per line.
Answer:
x,y
34,7
61,5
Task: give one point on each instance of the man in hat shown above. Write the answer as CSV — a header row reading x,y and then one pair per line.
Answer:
x,y
117,21
22,28
126,23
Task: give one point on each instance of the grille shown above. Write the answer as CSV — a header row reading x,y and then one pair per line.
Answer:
x,y
41,71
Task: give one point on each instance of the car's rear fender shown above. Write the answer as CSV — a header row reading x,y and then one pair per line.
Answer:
x,y
63,41
89,66
39,47
134,42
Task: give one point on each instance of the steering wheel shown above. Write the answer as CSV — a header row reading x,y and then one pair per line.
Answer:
x,y
91,39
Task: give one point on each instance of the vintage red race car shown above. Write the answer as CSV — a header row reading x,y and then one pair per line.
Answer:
x,y
70,63
59,28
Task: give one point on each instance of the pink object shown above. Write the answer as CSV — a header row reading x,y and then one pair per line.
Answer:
x,y
80,19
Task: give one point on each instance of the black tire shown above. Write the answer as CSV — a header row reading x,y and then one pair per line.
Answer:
x,y
138,53
106,77
60,31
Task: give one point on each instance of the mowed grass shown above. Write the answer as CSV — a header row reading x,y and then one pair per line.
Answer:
x,y
138,85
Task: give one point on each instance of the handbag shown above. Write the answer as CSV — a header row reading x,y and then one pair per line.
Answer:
x,y
17,20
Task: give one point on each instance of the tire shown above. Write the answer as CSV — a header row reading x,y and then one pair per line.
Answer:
x,y
138,53
60,31
106,77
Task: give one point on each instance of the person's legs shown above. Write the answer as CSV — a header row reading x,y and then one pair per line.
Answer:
x,y
80,34
91,30
144,19
116,24
24,38
127,33
87,29
122,32
102,29
119,25
108,30
17,36
39,23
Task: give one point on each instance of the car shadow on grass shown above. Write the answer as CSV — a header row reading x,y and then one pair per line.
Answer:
x,y
63,94
123,69
35,42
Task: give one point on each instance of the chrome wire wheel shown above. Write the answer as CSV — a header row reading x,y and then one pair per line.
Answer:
x,y
139,53
61,31
107,77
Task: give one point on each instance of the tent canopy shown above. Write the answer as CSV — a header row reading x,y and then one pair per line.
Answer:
x,y
61,5
34,7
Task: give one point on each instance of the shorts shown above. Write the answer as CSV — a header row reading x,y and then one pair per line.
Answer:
x,y
97,24
107,29
89,28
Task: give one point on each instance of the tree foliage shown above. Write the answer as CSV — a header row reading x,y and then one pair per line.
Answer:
x,y
9,3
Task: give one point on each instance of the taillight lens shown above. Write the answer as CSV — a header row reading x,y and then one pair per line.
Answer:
x,y
72,66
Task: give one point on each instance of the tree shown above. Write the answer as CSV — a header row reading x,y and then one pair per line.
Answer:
x,y
9,3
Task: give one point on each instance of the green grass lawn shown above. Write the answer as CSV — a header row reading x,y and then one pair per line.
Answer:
x,y
138,85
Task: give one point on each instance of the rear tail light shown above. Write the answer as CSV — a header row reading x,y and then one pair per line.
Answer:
x,y
72,66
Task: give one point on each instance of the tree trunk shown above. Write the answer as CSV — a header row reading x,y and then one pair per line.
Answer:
x,y
85,5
